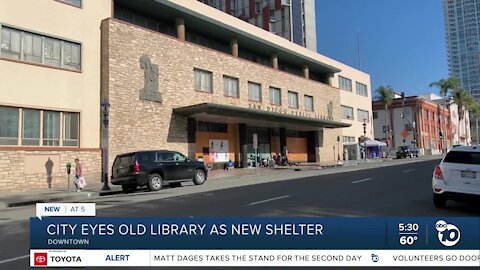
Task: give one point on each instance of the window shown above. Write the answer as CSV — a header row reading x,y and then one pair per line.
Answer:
x,y
363,115
51,128
308,102
77,3
344,83
361,89
347,112
203,80
375,115
463,157
39,49
71,55
212,127
275,96
32,47
9,125
71,126
31,127
254,91
165,156
37,127
52,51
10,43
179,157
293,99
348,139
230,86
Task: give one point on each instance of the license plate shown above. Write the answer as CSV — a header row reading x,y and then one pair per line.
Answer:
x,y
467,174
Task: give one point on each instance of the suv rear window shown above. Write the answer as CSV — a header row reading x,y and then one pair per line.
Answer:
x,y
463,157
124,160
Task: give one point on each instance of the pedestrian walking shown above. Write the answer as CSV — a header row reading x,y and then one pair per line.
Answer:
x,y
80,181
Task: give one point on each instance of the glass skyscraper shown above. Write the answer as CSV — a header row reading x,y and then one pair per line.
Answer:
x,y
462,24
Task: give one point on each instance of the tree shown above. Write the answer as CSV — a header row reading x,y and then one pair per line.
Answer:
x,y
445,86
475,109
464,102
385,94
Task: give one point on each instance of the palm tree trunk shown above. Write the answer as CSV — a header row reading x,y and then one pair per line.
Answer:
x,y
386,128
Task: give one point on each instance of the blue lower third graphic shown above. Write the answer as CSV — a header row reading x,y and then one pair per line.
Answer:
x,y
253,233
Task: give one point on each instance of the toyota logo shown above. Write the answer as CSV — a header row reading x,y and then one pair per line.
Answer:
x,y
40,259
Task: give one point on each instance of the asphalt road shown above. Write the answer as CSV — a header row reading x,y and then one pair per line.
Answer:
x,y
403,190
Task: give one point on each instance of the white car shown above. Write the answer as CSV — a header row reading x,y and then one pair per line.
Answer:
x,y
457,176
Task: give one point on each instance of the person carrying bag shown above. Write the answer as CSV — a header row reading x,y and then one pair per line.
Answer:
x,y
80,182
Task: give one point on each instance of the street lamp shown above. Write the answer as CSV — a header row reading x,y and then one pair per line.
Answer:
x,y
365,139
105,110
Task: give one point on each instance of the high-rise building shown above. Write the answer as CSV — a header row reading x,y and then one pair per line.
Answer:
x,y
462,24
293,20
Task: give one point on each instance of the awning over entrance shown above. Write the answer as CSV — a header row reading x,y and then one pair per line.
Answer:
x,y
228,111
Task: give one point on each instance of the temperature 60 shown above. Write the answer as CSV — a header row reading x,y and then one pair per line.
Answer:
x,y
408,240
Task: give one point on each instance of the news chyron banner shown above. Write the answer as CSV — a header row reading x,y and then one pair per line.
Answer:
x,y
69,235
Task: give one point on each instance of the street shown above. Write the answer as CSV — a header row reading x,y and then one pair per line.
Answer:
x,y
401,190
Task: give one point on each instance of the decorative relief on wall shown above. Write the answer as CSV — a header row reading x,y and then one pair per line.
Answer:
x,y
150,90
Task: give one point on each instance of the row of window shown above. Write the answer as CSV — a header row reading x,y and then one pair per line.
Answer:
x,y
30,47
203,81
347,113
346,84
32,127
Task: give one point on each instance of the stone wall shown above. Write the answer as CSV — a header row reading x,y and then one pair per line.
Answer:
x,y
23,170
137,124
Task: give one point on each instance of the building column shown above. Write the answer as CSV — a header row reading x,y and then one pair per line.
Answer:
x,y
306,72
242,134
274,60
180,24
283,140
191,137
234,47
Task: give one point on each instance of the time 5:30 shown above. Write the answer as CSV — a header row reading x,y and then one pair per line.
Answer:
x,y
408,227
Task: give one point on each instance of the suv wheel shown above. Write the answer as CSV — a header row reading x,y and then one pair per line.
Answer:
x,y
129,188
439,201
155,182
199,177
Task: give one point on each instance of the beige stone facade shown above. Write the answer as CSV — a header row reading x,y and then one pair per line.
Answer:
x,y
22,170
139,124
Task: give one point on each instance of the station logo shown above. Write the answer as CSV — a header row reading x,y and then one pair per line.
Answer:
x,y
40,259
375,258
448,234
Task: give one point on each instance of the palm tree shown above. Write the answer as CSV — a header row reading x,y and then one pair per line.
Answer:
x,y
385,94
475,109
445,86
464,101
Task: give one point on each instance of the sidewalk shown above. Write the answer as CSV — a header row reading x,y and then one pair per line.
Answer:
x,y
94,188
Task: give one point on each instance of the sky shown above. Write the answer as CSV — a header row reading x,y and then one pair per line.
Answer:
x,y
402,42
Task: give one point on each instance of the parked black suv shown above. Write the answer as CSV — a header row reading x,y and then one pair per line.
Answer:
x,y
407,151
154,169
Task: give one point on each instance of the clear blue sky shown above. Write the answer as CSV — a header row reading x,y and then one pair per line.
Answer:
x,y
402,42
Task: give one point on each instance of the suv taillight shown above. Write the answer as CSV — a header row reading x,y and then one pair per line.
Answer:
x,y
136,167
437,174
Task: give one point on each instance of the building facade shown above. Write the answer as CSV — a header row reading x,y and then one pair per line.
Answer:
x,y
462,24
422,121
179,75
291,19
49,112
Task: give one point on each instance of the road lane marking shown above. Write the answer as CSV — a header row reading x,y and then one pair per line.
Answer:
x,y
363,180
407,171
14,259
269,200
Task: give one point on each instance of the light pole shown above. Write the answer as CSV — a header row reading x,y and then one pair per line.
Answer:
x,y
105,110
365,139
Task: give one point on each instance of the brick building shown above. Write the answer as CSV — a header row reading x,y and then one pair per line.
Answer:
x,y
179,75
